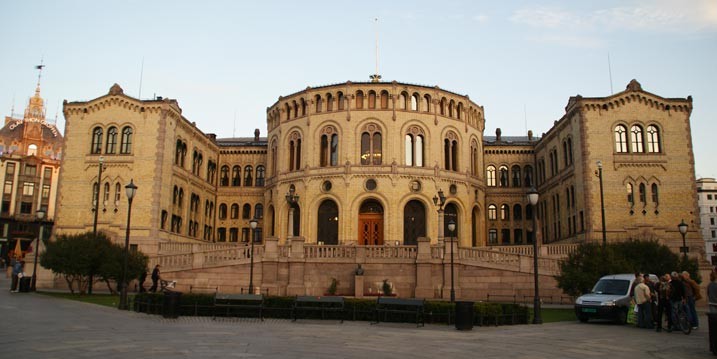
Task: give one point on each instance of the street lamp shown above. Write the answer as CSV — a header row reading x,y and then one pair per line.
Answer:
x,y
598,173
533,200
451,229
439,201
40,218
252,224
683,231
131,189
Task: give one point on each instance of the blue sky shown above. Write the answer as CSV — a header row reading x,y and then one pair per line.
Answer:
x,y
227,61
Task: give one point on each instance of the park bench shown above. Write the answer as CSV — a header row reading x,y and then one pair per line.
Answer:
x,y
385,305
322,304
230,302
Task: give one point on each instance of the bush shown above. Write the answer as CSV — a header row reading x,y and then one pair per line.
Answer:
x,y
582,269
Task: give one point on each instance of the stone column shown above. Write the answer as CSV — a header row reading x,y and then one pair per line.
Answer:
x,y
296,268
358,286
440,224
269,266
424,276
290,228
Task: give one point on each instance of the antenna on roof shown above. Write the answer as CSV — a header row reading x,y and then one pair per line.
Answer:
x,y
56,112
376,77
141,74
525,117
609,71
234,129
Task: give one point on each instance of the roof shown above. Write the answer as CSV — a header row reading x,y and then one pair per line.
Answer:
x,y
510,141
242,141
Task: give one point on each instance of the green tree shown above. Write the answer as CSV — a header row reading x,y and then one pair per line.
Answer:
x,y
581,270
75,256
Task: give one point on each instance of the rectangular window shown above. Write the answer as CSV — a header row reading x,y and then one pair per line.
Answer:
x,y
709,196
133,248
10,170
257,235
245,235
8,187
26,207
46,191
712,221
233,234
48,173
28,189
505,236
712,209
492,236
713,234
30,170
5,207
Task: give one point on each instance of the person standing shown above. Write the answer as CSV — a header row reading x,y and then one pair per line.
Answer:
x,y
16,272
155,279
663,302
692,292
677,297
642,299
142,278
712,292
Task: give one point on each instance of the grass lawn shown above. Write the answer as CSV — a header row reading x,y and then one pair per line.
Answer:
x,y
550,315
100,299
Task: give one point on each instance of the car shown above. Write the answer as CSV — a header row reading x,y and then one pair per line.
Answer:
x,y
609,299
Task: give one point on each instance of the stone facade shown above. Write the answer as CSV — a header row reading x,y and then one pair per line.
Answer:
x,y
707,198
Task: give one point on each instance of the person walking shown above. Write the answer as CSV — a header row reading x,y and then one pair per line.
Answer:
x,y
642,299
142,278
16,275
663,302
155,279
677,297
692,292
712,292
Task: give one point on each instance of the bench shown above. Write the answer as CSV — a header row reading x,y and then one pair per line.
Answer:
x,y
321,304
385,305
239,301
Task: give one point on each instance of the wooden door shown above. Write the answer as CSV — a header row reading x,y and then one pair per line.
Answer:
x,y
371,229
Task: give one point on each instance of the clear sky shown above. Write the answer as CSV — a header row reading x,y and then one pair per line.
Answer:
x,y
227,61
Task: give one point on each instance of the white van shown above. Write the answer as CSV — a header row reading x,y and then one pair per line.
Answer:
x,y
609,299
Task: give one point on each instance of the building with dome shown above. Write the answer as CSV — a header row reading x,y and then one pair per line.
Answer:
x,y
372,173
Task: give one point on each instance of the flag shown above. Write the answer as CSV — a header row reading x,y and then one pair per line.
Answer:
x,y
39,67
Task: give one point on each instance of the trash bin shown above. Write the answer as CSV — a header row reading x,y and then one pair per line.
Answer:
x,y
171,307
25,284
712,321
464,315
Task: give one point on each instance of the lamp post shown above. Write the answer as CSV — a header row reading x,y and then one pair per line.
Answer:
x,y
598,173
451,229
97,212
252,224
131,189
40,218
533,200
683,231
292,198
440,200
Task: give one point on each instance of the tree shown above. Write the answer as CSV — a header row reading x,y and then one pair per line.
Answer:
x,y
75,256
582,269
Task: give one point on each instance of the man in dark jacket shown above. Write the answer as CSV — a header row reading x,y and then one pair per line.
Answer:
x,y
677,296
155,279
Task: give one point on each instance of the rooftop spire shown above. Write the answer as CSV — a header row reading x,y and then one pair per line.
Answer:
x,y
376,77
36,107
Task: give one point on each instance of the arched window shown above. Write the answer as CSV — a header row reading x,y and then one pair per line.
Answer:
x,y
528,212
287,109
451,108
492,212
528,176
490,176
224,176
32,150
504,212
643,194
294,151
636,138
260,176
106,197
503,176
303,107
234,211
570,150
329,102
475,159
413,143
340,101
459,111
329,155
222,211
630,195
319,104
111,140
246,211
96,140
426,103
248,173
403,101
371,146
414,102
442,106
175,194
653,139
515,170
372,100
328,223
450,151
126,145
359,100
620,139
236,176
259,211
295,108
414,222
180,199
384,99
655,195
274,156
517,212
118,193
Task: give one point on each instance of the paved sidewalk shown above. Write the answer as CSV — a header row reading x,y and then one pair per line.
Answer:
x,y
38,326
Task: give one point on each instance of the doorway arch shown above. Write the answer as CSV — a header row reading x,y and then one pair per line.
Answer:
x,y
370,223
328,223
414,222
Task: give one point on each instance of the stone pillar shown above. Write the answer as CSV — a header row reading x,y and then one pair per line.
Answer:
x,y
269,266
290,227
358,286
424,276
197,256
296,268
440,224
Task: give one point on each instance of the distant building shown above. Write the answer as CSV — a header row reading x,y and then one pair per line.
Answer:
x,y
707,199
30,153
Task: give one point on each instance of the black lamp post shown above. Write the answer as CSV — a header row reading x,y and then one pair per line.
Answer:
x,y
97,212
41,219
451,229
252,224
598,173
440,200
131,189
533,200
683,231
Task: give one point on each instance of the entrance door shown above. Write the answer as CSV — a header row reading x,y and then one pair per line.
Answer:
x,y
370,229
